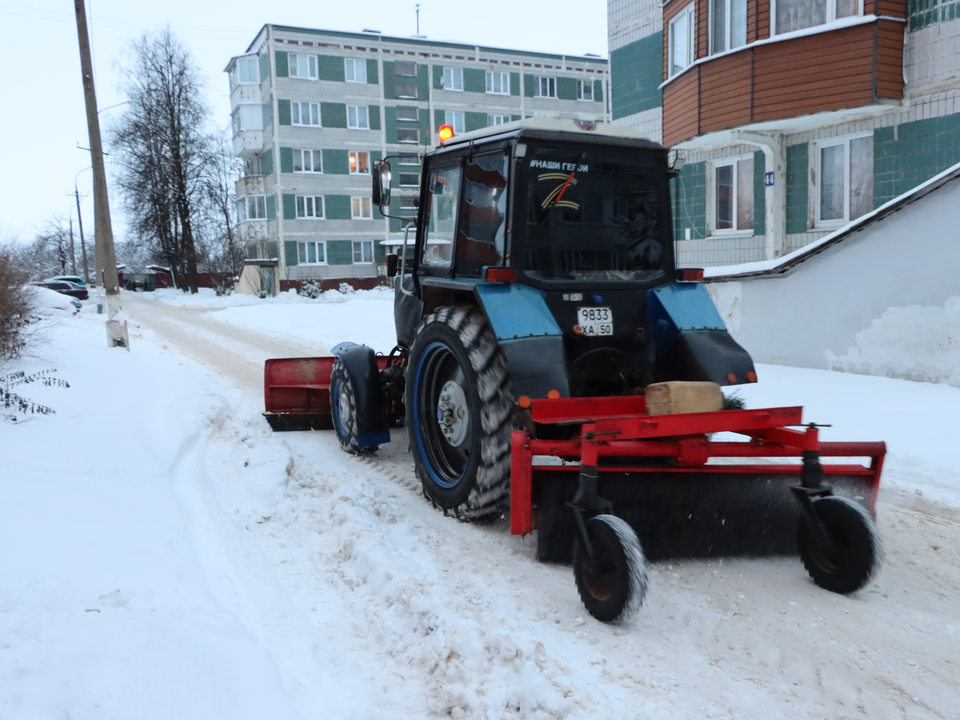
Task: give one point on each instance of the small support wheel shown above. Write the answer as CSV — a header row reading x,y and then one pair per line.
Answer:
x,y
343,410
856,552
612,588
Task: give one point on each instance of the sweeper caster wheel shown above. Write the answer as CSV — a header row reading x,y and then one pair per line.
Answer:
x,y
343,410
613,586
856,550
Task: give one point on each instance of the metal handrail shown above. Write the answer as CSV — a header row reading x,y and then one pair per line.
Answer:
x,y
403,256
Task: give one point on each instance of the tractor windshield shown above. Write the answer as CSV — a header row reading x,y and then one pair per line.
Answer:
x,y
593,214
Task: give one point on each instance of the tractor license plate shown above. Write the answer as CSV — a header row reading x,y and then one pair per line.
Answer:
x,y
595,320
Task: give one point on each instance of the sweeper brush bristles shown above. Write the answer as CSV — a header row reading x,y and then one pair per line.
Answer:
x,y
684,514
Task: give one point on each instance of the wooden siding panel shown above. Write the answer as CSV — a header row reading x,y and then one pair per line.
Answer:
x,y
868,7
702,29
892,8
725,92
890,59
681,108
763,20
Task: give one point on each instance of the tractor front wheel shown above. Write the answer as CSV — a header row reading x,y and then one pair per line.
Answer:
x,y
343,411
612,586
856,550
460,412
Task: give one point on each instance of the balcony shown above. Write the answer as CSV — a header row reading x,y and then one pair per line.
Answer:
x,y
855,66
250,185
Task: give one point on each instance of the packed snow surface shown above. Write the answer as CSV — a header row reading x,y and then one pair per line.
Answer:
x,y
166,555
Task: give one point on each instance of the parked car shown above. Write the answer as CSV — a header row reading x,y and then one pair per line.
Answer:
x,y
75,279
65,287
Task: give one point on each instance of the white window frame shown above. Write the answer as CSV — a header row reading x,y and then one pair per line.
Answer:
x,y
313,155
544,82
248,62
728,26
361,208
293,66
309,207
356,122
453,79
304,252
831,16
310,114
362,245
494,120
355,70
817,179
353,161
259,204
455,119
688,14
712,195
503,77
582,87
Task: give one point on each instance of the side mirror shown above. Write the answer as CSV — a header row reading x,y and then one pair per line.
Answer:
x,y
393,261
381,184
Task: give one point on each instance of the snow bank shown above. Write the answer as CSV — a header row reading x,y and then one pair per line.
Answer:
x,y
913,343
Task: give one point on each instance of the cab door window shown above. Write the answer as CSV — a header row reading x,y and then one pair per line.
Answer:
x,y
443,203
483,211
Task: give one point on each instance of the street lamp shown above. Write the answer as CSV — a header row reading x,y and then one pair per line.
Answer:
x,y
83,244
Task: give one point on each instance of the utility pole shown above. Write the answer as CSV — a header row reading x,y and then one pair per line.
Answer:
x,y
73,251
83,243
106,270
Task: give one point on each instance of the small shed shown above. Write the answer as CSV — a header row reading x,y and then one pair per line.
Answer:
x,y
259,277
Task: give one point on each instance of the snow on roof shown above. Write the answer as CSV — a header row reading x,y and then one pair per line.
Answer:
x,y
546,124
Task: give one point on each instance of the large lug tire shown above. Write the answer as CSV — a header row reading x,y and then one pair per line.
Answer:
x,y
343,411
857,549
460,412
614,588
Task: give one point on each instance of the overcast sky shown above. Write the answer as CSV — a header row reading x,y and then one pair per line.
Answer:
x,y
42,118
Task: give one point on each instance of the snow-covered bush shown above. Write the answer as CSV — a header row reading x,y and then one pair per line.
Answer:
x,y
311,289
15,307
346,289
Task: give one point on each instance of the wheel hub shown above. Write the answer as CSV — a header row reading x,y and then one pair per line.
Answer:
x,y
453,413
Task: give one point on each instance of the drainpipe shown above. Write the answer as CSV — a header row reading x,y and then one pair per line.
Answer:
x,y
775,195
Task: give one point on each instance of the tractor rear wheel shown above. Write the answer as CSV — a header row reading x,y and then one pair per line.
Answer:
x,y
856,550
613,586
460,412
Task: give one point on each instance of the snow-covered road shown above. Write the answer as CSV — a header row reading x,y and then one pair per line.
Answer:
x,y
337,591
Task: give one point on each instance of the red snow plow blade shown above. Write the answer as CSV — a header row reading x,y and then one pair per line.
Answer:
x,y
683,493
296,392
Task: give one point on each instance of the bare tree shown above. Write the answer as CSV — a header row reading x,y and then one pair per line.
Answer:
x,y
163,147
224,252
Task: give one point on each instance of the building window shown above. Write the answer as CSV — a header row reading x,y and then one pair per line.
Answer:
x,y
302,67
545,87
246,71
306,114
793,15
409,202
493,120
453,79
310,207
359,162
405,68
247,117
311,253
408,136
357,117
407,113
728,25
455,120
362,251
406,91
409,160
360,208
681,42
585,90
498,83
733,195
844,180
354,70
253,207
307,161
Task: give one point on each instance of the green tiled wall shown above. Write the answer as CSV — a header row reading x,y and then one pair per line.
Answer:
x,y
636,71
336,162
474,121
286,160
912,153
282,67
267,114
474,80
515,84
271,207
924,13
437,77
797,184
390,125
266,162
264,66
337,207
289,207
290,252
339,252
566,89
372,77
389,81
283,111
759,195
330,68
598,90
333,115
423,83
689,201
528,85
374,114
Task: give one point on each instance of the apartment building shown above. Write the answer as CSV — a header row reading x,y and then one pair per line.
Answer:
x,y
792,117
313,110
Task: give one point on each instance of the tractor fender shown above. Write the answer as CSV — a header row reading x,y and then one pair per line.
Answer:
x,y
690,339
361,366
529,337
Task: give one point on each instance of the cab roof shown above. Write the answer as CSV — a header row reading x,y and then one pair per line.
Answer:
x,y
555,129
